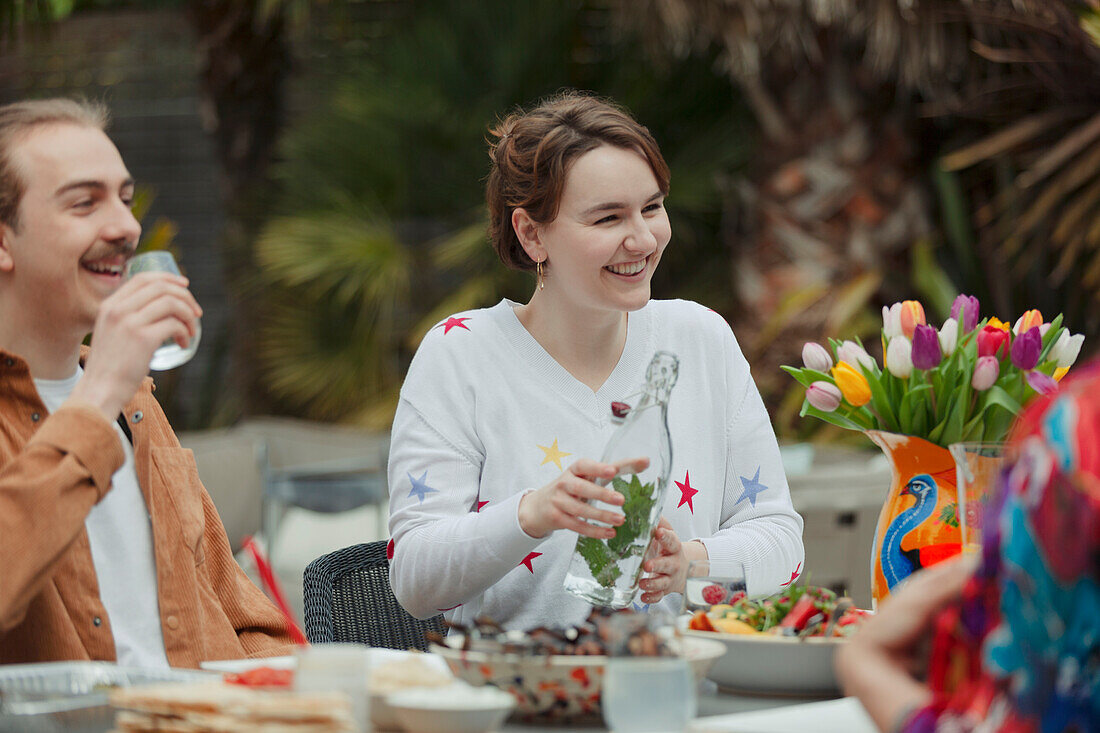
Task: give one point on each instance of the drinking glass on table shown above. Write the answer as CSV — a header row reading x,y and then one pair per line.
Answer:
x,y
645,693
978,467
712,583
168,355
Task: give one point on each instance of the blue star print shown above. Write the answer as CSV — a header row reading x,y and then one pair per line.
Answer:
x,y
420,486
752,487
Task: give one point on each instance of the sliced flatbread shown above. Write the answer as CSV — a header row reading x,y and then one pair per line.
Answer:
x,y
215,707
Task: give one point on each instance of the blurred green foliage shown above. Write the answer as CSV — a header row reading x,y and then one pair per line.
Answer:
x,y
381,229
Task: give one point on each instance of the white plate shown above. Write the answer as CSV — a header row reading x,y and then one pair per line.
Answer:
x,y
832,716
774,665
243,665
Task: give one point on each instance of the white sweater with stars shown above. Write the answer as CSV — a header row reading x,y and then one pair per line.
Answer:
x,y
486,414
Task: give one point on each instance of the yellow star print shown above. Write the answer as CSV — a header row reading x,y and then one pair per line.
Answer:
x,y
553,454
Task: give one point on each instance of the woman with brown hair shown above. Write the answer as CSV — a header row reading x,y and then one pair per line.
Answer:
x,y
503,408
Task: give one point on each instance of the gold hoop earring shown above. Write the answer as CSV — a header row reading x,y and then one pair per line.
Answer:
x,y
538,275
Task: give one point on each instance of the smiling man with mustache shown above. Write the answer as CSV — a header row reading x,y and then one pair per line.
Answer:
x,y
110,547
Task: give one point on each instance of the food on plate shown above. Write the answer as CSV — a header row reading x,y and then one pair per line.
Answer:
x,y
213,706
261,677
402,674
802,611
621,632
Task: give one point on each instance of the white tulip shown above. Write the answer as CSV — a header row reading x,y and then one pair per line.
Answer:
x,y
948,336
899,357
891,321
1066,349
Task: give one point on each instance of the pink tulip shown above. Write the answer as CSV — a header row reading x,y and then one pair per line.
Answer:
x,y
1041,383
965,311
816,357
823,395
986,372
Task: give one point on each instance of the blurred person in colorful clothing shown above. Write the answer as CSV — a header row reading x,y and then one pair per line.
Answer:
x,y
1015,633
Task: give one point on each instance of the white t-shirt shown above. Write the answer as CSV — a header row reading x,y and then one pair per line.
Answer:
x,y
486,414
121,536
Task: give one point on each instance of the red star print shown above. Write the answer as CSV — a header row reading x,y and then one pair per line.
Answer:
x,y
389,550
481,504
793,576
449,609
527,560
453,323
686,493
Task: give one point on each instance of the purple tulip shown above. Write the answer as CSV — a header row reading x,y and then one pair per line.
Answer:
x,y
1041,383
986,372
926,347
816,357
825,396
1026,348
968,305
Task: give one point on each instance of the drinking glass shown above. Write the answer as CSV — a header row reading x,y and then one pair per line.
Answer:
x,y
336,667
977,469
643,691
713,582
168,355
648,694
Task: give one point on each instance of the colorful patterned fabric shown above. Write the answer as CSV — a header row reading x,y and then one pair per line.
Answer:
x,y
1021,651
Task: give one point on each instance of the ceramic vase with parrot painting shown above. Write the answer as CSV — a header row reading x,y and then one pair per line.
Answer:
x,y
918,525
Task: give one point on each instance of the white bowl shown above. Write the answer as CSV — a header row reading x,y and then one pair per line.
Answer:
x,y
776,665
459,708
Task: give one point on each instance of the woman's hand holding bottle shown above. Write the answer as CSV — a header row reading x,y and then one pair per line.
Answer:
x,y
564,503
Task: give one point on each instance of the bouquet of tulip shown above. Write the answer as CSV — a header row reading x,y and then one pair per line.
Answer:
x,y
966,381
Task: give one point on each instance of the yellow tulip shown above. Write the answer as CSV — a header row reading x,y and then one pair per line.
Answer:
x,y
1059,373
852,384
998,323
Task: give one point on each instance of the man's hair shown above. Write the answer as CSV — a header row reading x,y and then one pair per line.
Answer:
x,y
532,154
17,120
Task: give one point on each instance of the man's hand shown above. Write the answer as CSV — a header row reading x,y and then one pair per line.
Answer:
x,y
132,323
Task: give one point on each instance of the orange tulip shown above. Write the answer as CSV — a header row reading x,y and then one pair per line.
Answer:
x,y
912,315
1028,321
852,384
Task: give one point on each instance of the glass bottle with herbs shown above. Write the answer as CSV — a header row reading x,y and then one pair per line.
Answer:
x,y
606,572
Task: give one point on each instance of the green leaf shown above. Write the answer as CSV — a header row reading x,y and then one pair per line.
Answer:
x,y
834,418
806,376
998,396
881,401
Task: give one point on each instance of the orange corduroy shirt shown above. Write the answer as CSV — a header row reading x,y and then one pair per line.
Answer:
x,y
53,469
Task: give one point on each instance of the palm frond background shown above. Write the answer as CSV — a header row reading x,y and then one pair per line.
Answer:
x,y
383,231
981,117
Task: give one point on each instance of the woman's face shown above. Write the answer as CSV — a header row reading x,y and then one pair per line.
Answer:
x,y
609,233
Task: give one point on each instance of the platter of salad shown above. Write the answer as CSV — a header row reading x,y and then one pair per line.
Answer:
x,y
783,644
